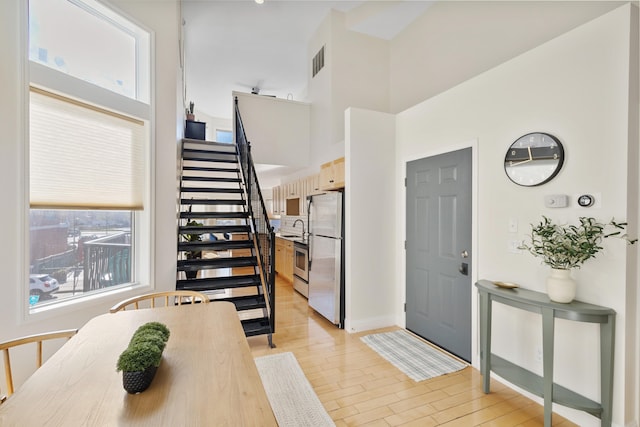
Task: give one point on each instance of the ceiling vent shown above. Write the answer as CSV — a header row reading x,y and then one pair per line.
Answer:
x,y
318,62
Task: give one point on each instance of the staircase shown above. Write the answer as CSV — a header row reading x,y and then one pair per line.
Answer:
x,y
224,236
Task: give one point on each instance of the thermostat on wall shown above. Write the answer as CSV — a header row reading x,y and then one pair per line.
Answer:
x,y
586,200
556,201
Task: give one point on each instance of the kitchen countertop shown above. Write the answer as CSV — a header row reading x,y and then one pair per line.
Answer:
x,y
292,237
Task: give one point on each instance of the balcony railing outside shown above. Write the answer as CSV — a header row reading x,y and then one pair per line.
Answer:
x,y
107,261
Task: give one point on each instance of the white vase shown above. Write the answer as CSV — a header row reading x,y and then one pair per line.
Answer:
x,y
560,286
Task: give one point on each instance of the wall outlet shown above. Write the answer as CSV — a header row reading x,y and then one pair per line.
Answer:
x,y
512,246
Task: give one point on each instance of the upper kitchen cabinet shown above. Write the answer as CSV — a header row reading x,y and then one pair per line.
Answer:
x,y
332,175
313,184
277,204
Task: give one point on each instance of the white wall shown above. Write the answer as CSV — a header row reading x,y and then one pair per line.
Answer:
x,y
356,74
455,41
213,123
162,17
277,129
323,148
577,88
370,217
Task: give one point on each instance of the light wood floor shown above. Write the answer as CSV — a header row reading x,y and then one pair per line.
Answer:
x,y
358,387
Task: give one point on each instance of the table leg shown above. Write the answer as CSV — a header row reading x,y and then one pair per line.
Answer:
x,y
485,340
547,362
607,344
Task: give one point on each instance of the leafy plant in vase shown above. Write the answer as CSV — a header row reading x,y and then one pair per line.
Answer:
x,y
564,247
191,238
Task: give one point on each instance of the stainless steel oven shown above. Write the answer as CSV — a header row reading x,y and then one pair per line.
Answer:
x,y
301,268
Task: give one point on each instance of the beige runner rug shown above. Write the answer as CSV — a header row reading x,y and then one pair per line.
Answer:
x,y
292,398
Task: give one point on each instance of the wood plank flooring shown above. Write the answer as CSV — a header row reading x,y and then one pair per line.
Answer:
x,y
358,387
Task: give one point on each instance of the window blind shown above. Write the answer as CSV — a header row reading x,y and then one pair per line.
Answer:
x,y
84,157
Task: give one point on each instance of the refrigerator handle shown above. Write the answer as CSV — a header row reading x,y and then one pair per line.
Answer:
x,y
309,234
310,254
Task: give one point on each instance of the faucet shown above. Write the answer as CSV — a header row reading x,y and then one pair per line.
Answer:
x,y
301,222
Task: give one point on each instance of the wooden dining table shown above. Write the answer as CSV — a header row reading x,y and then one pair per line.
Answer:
x,y
207,376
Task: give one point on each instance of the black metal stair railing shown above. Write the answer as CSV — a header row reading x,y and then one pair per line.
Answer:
x,y
263,232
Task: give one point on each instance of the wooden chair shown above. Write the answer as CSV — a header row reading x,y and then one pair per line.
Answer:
x,y
37,338
179,298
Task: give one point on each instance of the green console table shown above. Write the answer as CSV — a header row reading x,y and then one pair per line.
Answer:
x,y
544,386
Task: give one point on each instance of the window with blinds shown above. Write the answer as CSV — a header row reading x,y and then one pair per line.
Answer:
x,y
83,157
89,139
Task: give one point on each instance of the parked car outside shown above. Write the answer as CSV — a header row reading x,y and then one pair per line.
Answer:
x,y
40,284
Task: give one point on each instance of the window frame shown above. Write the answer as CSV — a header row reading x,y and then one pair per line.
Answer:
x,y
52,80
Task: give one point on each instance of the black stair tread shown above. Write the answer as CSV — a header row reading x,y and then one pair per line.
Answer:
x,y
207,169
203,142
212,202
215,283
210,179
214,214
210,190
247,302
204,229
220,262
201,158
195,151
215,245
258,326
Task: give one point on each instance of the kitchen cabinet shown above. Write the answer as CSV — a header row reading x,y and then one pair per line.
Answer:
x,y
275,200
290,198
284,258
279,200
332,175
313,184
293,189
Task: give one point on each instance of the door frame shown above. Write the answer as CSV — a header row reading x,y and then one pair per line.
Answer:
x,y
473,274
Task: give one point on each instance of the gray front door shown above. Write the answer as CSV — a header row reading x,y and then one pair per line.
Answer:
x,y
439,250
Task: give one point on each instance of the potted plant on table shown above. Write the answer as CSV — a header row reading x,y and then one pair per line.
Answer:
x,y
140,360
564,247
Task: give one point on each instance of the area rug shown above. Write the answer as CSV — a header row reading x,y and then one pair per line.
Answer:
x,y
292,398
417,359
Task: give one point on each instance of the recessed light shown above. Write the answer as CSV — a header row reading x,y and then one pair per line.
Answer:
x,y
259,1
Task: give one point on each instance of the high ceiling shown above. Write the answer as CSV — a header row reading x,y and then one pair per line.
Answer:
x,y
239,45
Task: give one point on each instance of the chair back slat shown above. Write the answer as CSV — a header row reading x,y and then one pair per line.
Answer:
x,y
180,297
38,339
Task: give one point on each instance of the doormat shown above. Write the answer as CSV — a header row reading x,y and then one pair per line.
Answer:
x,y
292,398
417,359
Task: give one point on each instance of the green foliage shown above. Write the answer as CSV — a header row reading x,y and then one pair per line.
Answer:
x,y
569,246
193,238
145,348
155,326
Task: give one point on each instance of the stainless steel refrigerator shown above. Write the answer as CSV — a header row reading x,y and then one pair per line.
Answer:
x,y
326,253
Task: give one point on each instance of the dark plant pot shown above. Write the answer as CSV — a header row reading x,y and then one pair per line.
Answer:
x,y
191,274
139,381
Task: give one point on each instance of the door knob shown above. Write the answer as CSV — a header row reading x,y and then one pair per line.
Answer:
x,y
464,254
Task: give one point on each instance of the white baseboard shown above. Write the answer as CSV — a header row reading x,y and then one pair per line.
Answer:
x,y
355,326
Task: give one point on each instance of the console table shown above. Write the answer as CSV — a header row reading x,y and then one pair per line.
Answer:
x,y
544,386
